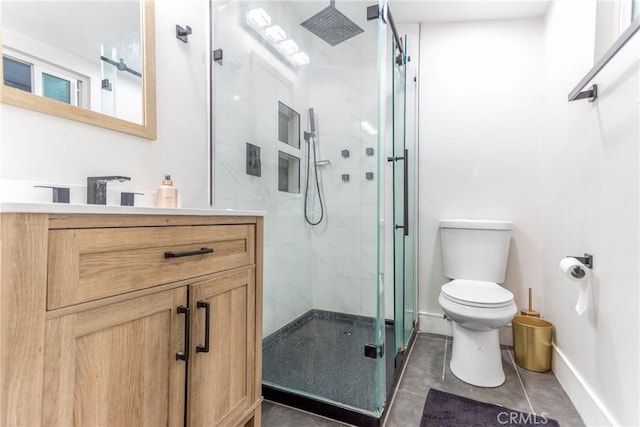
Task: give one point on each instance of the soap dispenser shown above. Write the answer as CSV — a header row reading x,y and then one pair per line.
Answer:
x,y
167,195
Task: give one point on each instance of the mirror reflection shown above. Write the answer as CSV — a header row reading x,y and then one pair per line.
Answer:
x,y
613,18
85,54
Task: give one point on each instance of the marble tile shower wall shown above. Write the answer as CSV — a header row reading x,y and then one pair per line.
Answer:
x,y
331,266
344,95
247,87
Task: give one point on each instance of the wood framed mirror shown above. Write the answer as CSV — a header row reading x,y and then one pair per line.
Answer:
x,y
92,62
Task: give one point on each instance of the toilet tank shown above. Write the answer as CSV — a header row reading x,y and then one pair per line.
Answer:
x,y
475,249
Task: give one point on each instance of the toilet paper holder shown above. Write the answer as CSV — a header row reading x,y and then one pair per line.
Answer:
x,y
587,260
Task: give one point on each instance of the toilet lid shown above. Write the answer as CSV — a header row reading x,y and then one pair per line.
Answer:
x,y
477,293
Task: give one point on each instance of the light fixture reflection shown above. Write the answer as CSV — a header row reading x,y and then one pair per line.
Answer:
x,y
275,33
288,47
258,18
300,58
366,126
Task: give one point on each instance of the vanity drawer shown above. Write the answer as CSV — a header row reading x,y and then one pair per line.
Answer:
x,y
94,263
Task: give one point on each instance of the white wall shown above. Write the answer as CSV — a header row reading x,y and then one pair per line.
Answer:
x,y
590,204
43,148
480,132
499,140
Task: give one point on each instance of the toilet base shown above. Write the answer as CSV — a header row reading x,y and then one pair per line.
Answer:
x,y
476,357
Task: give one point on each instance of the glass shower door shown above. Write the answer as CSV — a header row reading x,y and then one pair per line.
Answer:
x,y
403,205
324,329
410,309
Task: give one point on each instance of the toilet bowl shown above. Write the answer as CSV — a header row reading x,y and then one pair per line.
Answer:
x,y
477,309
475,254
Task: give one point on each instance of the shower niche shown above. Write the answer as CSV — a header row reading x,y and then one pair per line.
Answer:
x,y
288,173
288,164
288,126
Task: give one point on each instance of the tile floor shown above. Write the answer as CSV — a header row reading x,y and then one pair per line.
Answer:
x,y
428,367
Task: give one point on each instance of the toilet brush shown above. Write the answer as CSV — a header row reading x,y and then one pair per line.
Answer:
x,y
530,311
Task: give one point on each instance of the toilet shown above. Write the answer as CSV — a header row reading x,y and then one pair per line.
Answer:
x,y
475,254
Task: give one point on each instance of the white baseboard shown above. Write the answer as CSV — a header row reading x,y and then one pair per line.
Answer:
x,y
589,406
435,324
506,335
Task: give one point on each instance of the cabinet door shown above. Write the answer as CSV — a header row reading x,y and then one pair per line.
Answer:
x,y
116,365
221,380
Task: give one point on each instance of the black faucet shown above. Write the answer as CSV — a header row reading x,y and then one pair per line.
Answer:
x,y
97,188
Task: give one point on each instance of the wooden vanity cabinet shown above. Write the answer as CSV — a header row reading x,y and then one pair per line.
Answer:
x,y
114,349
112,365
223,331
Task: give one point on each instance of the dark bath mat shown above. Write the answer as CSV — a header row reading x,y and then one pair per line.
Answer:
x,y
448,410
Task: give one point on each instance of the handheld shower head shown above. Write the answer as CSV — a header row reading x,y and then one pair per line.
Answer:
x,y
312,126
312,121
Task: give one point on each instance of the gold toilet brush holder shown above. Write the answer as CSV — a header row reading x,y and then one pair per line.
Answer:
x,y
532,338
530,311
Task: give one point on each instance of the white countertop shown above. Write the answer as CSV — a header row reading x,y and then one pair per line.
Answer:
x,y
65,208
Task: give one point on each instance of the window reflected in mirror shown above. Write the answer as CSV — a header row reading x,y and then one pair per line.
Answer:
x,y
613,18
86,54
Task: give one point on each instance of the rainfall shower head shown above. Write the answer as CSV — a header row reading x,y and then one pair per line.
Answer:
x,y
331,25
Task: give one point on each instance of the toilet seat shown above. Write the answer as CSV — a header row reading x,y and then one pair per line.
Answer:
x,y
476,293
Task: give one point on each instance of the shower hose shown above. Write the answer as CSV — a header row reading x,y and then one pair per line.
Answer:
x,y
311,146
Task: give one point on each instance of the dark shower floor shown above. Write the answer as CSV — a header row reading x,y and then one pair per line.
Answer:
x,y
322,353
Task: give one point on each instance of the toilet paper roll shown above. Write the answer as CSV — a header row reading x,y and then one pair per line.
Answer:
x,y
574,269
578,272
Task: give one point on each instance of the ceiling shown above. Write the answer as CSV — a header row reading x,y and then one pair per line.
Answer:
x,y
409,11
84,24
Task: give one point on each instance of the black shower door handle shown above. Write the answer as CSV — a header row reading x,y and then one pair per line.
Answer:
x,y
405,203
207,324
406,193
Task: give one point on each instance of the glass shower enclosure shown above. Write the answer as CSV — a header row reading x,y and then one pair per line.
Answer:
x,y
306,110
404,196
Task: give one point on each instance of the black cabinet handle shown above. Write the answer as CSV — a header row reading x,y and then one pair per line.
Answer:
x,y
188,253
207,321
187,328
